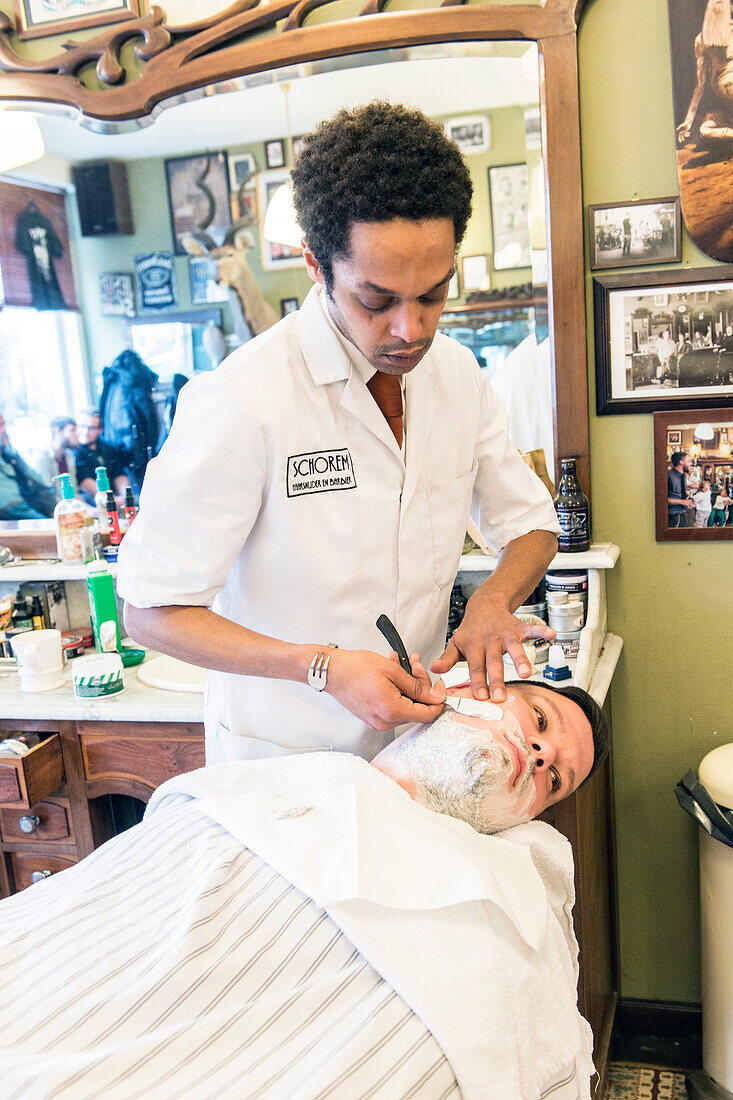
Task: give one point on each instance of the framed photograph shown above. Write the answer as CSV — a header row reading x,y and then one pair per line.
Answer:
x,y
651,356
198,197
288,305
475,273
297,146
39,18
693,475
454,289
509,195
275,154
274,255
243,183
532,130
202,276
471,133
35,257
631,234
117,298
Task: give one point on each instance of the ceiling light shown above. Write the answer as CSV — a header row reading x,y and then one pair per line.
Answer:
x,y
705,431
21,140
281,224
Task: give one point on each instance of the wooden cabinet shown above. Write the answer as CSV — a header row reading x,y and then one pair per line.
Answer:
x,y
50,813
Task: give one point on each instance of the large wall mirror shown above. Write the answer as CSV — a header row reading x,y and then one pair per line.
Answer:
x,y
204,168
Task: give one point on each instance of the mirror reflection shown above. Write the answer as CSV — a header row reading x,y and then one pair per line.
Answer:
x,y
174,240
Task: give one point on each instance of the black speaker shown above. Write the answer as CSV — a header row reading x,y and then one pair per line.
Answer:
x,y
103,198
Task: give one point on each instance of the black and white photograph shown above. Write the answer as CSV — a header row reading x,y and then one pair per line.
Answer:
x,y
701,41
693,475
509,193
630,234
664,344
275,154
472,133
288,305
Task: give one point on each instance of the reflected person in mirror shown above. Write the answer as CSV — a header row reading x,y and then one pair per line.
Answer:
x,y
325,472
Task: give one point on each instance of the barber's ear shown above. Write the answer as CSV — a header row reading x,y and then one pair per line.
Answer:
x,y
312,266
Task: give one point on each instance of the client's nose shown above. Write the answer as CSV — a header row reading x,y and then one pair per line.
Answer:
x,y
544,753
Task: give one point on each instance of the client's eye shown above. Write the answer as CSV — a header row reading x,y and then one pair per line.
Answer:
x,y
556,781
541,719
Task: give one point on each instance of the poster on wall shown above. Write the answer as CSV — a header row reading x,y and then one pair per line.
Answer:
x,y
509,194
198,197
701,40
35,259
156,279
38,18
116,294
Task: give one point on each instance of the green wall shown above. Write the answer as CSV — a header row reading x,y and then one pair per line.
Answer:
x,y
671,603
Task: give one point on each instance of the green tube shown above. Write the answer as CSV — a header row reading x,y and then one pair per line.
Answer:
x,y
101,591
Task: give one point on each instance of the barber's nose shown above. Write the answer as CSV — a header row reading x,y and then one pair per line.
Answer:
x,y
544,753
407,323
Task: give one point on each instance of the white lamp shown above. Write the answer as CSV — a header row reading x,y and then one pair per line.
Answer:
x,y
21,140
704,431
281,223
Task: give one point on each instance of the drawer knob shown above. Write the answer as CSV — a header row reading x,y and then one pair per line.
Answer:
x,y
37,876
29,823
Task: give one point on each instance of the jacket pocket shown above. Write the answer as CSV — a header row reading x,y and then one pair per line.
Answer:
x,y
449,506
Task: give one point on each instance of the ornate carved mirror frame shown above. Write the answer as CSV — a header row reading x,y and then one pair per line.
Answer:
x,y
252,36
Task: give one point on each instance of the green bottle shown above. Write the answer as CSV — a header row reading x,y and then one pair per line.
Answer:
x,y
101,590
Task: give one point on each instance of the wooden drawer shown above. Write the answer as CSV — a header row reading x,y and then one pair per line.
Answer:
x,y
53,824
25,780
137,765
25,865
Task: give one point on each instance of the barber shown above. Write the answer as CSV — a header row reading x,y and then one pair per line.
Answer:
x,y
679,501
294,500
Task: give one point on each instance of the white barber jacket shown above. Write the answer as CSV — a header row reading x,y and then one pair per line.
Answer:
x,y
282,501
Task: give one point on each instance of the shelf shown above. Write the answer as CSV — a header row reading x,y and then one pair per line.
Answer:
x,y
47,571
602,555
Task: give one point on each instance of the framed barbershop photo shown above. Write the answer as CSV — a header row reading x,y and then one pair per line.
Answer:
x,y
198,197
471,133
630,234
275,154
288,305
693,475
39,18
243,184
659,344
509,194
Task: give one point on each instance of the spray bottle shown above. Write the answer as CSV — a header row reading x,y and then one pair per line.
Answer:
x,y
69,516
100,498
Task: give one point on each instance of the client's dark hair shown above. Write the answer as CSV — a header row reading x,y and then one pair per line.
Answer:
x,y
594,714
372,164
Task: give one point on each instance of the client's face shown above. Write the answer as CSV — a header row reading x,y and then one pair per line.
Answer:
x,y
495,765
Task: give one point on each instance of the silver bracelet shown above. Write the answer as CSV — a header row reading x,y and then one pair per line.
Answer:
x,y
318,671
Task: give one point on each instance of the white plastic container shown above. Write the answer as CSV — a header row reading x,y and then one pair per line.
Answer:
x,y
716,907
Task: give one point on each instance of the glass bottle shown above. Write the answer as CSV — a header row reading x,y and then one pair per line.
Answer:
x,y
573,511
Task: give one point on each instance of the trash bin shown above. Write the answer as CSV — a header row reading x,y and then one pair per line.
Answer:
x,y
708,798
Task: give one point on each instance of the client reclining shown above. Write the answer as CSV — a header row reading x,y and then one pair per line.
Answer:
x,y
300,927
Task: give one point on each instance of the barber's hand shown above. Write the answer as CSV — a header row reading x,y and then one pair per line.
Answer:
x,y
487,632
379,692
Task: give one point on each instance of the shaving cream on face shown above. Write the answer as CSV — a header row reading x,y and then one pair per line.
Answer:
x,y
466,772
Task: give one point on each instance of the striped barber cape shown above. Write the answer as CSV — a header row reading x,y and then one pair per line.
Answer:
x,y
226,947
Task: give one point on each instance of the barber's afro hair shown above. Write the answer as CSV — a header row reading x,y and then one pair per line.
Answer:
x,y
372,164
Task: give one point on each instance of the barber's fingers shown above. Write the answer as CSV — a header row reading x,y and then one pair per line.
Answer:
x,y
450,655
418,669
419,688
518,655
535,630
490,670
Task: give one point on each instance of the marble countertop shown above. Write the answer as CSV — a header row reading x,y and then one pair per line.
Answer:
x,y
137,703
